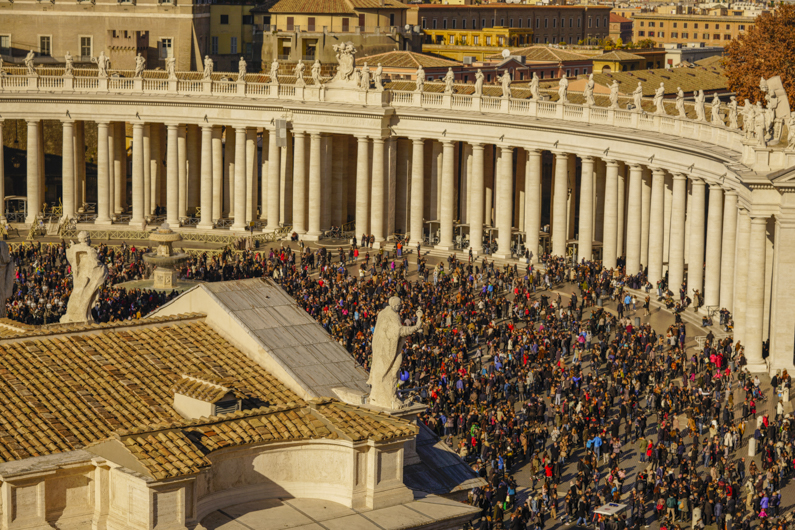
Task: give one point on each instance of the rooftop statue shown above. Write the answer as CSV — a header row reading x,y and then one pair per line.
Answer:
x,y
346,57
614,94
298,72
506,84
274,74
588,92
315,73
680,102
103,63
659,94
6,277
534,84
69,65
88,275
208,67
29,63
563,90
140,64
388,340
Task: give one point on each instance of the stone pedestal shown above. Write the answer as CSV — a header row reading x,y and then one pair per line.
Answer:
x,y
410,456
751,447
164,278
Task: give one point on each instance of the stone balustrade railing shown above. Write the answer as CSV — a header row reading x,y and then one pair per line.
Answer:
x,y
717,134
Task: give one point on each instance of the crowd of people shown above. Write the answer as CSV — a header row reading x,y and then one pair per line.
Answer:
x,y
521,379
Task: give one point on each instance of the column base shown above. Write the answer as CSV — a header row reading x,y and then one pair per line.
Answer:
x,y
378,244
271,228
172,223
500,255
102,221
311,236
205,226
235,228
757,368
137,222
444,246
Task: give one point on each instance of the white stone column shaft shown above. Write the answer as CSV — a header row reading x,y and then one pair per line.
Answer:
x,y
634,218
137,174
713,257
622,207
147,169
755,298
676,254
240,179
476,197
120,167
377,191
80,164
417,183
695,264
274,183
299,182
559,205
103,175
362,186
338,143
505,205
585,243
229,171
656,226
447,195
193,140
155,162
172,175
34,197
610,232
206,220
645,217
112,169
218,174
728,243
532,217
741,259
315,167
68,170
182,164
251,174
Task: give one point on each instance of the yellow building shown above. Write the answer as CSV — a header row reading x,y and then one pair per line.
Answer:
x,y
232,35
496,36
618,61
681,29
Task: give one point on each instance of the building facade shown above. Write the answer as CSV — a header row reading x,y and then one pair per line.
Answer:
x,y
620,28
683,29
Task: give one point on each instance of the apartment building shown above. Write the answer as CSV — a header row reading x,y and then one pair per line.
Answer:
x,y
681,29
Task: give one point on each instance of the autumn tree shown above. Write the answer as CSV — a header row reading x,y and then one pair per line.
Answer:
x,y
766,50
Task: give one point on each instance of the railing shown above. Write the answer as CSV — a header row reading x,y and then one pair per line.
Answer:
x,y
155,85
117,83
432,100
491,104
402,99
189,86
51,82
461,102
257,89
224,87
287,91
85,83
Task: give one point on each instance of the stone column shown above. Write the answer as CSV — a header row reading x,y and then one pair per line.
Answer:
x,y
585,243
417,183
274,182
154,168
34,197
299,182
263,183
741,259
645,217
338,143
240,180
676,254
656,226
229,171
713,258
610,232
80,165
182,154
669,188
147,149
2,177
532,216
326,189
505,206
172,176
634,218
120,167
218,173
560,201
362,186
377,192
137,175
193,140
755,297
103,198
447,196
728,242
251,174
695,264
206,220
315,166
68,170
622,188
476,197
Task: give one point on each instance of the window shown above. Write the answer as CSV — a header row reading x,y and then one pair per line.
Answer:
x,y
362,21
464,40
642,23
715,36
651,34
483,23
502,22
250,50
474,23
454,23
554,23
224,19
520,22
214,45
597,22
538,23
463,23
685,25
434,24
444,24
706,26
728,27
45,45
652,24
695,26
579,20
568,72
488,41
661,34
675,24
290,23
695,35
546,23
606,23
166,48
233,45
576,72
541,75
727,37
571,22
741,27
248,19
5,44
85,46
590,22
476,40
346,25
392,19
641,34
310,24
452,39
510,23
674,35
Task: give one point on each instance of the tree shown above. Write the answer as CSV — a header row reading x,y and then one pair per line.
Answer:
x,y
619,43
766,50
645,43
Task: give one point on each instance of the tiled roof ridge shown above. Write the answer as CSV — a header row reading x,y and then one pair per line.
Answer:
x,y
7,322
59,329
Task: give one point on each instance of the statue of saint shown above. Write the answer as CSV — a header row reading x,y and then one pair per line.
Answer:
x,y
760,125
506,84
680,102
701,111
241,69
388,340
378,78
449,79
563,90
140,64
420,82
88,275
790,138
274,74
588,92
103,63
637,97
2,70
171,67
298,72
748,119
365,78
658,99
479,77
534,87
6,277
315,72
732,112
208,68
29,63
614,95
69,65
716,117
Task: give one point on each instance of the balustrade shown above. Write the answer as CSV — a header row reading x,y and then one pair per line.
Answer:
x,y
490,104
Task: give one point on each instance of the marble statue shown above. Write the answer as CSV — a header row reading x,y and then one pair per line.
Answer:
x,y
103,63
479,78
378,78
748,119
790,134
208,68
6,277
241,69
274,73
588,92
732,112
69,65
171,67
680,102
140,64
29,63
760,125
563,90
505,80
716,118
298,72
776,105
420,82
534,87
700,104
2,70
315,72
614,94
449,79
659,108
346,55
88,275
364,80
637,97
388,340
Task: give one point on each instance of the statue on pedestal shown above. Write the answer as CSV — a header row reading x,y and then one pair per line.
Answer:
x,y
69,66
6,277
103,63
171,67
208,68
479,83
241,70
733,112
614,94
315,72
29,63
535,93
716,117
388,340
791,132
420,82
88,275
563,90
298,71
274,73
378,78
449,79
346,58
659,94
701,112
680,102
140,64
588,92
637,97
364,78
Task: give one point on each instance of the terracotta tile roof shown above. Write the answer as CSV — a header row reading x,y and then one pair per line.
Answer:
x,y
689,79
13,329
165,454
618,18
206,388
362,424
544,54
618,55
312,6
405,59
377,4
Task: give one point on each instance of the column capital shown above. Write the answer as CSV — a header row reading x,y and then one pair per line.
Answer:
x,y
31,122
315,135
361,138
587,158
378,139
533,151
729,191
715,186
67,121
506,147
611,162
138,125
297,133
680,176
205,126
635,167
656,169
417,140
560,154
758,218
476,145
446,141
697,180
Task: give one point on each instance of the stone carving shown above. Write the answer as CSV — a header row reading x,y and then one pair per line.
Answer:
x,y
449,79
6,277
637,97
680,102
2,70
506,84
563,90
103,63
274,73
29,63
388,340
748,119
776,104
364,81
88,275
534,87
378,78
614,95
298,72
588,92
241,70
315,72
715,110
701,112
346,55
732,112
140,64
171,67
659,108
69,65
791,132
479,78
208,68
420,82
760,125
